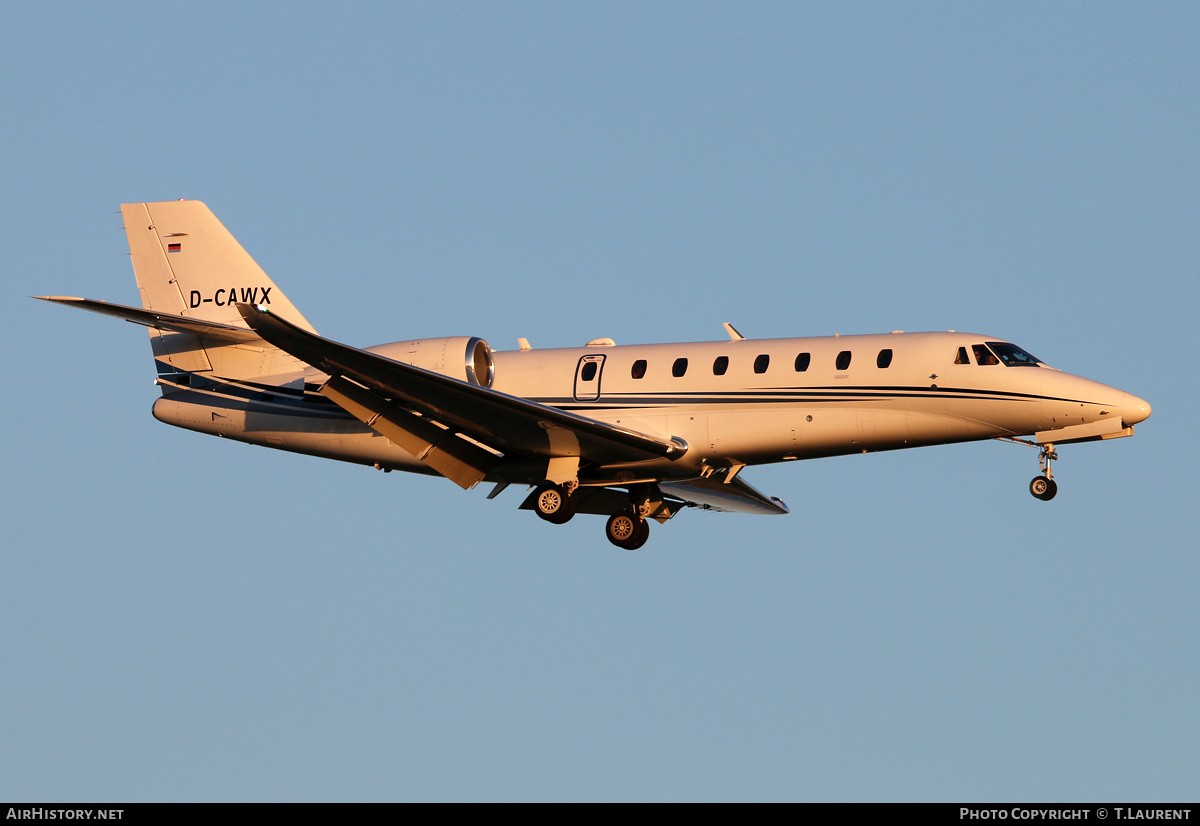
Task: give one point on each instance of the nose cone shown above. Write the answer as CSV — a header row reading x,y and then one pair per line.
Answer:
x,y
1133,409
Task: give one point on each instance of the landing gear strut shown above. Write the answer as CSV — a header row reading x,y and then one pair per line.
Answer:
x,y
1044,487
627,529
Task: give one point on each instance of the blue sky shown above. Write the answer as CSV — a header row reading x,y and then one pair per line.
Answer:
x,y
183,618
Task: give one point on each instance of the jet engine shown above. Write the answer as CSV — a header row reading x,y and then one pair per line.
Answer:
x,y
466,358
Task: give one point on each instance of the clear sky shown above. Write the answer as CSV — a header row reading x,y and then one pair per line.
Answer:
x,y
184,618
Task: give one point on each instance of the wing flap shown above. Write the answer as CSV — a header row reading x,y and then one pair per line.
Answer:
x,y
506,423
460,461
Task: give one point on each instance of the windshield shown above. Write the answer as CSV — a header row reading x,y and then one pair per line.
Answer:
x,y
1012,355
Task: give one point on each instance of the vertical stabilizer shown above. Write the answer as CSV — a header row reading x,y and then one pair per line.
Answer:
x,y
186,263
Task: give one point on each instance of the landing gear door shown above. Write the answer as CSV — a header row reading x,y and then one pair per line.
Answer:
x,y
587,378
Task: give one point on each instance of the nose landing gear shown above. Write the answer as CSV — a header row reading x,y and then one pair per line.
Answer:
x,y
1044,487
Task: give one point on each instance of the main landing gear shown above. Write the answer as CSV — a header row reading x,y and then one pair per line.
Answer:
x,y
1044,487
554,503
626,528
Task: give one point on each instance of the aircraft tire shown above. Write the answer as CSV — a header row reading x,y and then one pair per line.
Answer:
x,y
627,530
1043,488
553,503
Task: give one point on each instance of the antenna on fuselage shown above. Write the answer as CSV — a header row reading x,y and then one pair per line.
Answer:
x,y
734,335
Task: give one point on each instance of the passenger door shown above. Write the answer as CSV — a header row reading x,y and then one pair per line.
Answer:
x,y
587,378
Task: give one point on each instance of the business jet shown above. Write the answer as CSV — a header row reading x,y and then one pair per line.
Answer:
x,y
631,432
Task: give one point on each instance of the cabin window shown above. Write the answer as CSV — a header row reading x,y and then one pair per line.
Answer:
x,y
720,365
884,359
679,367
843,360
588,372
639,369
762,363
802,362
962,357
1012,355
984,356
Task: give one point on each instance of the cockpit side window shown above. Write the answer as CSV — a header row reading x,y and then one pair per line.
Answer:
x,y
984,356
962,357
1012,355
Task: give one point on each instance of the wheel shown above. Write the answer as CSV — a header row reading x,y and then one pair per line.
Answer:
x,y
621,528
627,530
553,503
1043,488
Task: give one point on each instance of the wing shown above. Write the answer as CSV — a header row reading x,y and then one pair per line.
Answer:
x,y
426,410
213,330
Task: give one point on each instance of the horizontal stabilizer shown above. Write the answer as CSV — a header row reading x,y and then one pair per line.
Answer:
x,y
213,330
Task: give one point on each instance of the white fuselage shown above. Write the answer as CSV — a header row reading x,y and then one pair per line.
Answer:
x,y
760,408
633,432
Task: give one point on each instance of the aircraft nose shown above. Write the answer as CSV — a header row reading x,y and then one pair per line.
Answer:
x,y
1134,410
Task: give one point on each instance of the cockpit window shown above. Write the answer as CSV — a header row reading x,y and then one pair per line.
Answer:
x,y
984,356
1012,355
962,357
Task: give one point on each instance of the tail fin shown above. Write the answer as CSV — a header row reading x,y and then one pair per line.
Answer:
x,y
186,263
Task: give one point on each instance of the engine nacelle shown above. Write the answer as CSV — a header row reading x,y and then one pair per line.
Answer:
x,y
466,358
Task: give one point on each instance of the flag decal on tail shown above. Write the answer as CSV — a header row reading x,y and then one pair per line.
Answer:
x,y
174,247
